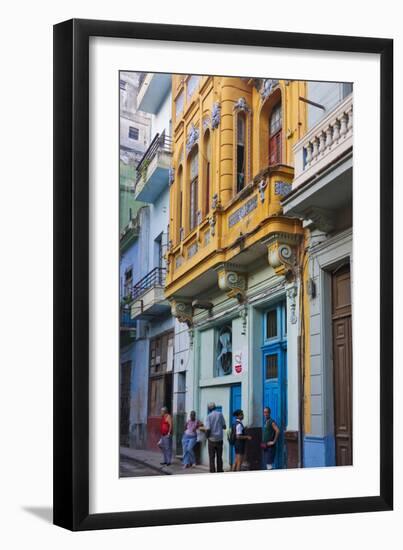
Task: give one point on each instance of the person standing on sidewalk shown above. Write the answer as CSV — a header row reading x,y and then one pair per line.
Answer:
x,y
240,439
271,433
165,443
189,440
214,427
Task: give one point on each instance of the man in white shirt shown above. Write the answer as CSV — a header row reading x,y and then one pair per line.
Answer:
x,y
215,426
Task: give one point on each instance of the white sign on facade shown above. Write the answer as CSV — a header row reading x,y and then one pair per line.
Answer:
x,y
240,361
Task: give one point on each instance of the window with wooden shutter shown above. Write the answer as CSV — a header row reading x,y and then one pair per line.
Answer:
x,y
275,135
207,169
241,151
194,176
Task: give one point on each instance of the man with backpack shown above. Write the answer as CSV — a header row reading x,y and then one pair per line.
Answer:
x,y
271,434
238,439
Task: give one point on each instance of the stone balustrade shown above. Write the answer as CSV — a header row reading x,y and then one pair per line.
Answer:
x,y
330,138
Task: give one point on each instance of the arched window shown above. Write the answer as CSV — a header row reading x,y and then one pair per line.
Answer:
x,y
223,351
207,173
240,151
275,135
193,190
180,204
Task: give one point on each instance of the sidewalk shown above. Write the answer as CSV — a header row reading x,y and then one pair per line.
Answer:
x,y
152,460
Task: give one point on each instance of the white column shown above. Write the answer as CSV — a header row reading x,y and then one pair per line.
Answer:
x,y
293,322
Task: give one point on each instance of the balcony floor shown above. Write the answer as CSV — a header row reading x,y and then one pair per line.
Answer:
x,y
330,191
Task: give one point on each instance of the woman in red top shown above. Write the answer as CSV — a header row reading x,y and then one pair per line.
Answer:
x,y
165,442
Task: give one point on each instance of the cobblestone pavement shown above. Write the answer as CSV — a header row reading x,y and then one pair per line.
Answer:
x,y
133,468
151,462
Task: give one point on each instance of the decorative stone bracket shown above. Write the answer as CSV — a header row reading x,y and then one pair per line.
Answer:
x,y
183,311
282,253
233,282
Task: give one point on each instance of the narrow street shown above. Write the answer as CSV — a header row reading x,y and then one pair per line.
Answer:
x,y
133,468
141,462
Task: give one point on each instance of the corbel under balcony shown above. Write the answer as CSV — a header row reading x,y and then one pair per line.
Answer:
x,y
182,310
282,251
232,281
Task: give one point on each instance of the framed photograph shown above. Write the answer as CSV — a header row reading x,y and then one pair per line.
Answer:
x,y
223,270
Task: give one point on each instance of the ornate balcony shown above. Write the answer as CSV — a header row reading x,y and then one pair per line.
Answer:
x,y
323,170
147,296
153,169
236,233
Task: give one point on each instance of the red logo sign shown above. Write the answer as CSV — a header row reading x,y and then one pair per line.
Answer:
x,y
238,363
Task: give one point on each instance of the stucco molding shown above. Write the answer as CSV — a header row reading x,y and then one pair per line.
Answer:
x,y
242,105
292,293
282,253
243,314
215,115
206,123
268,85
183,311
192,138
212,222
232,282
171,175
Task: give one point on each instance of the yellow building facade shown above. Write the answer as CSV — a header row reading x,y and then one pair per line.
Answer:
x,y
226,191
233,257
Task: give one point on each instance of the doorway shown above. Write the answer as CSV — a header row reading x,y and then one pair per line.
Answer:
x,y
342,364
274,365
235,403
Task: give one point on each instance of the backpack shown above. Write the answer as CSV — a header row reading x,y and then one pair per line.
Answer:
x,y
231,434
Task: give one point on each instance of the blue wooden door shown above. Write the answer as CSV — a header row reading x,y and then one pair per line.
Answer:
x,y
235,403
274,363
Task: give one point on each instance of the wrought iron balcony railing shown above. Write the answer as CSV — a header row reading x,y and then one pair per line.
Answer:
x,y
155,278
160,144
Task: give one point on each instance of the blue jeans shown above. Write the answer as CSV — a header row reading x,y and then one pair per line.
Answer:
x,y
188,443
166,448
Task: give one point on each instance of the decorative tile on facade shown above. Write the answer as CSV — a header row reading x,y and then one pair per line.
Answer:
x,y
246,209
282,188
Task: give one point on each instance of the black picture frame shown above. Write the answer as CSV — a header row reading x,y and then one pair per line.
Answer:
x,y
71,274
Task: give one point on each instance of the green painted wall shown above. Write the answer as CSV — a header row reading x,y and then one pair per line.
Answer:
x,y
127,179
